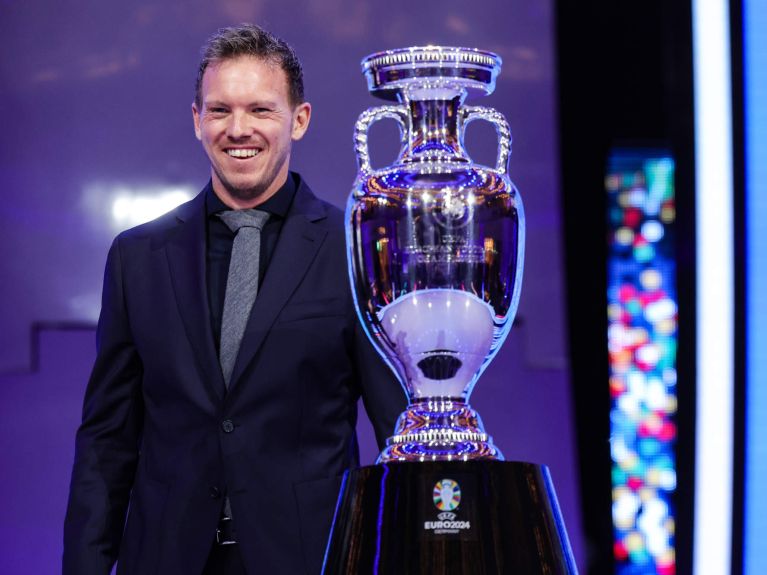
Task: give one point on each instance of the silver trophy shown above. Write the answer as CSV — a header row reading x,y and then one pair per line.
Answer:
x,y
436,246
435,257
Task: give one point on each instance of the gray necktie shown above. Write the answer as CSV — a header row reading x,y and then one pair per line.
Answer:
x,y
242,282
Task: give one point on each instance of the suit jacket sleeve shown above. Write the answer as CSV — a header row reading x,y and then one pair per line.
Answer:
x,y
382,394
108,440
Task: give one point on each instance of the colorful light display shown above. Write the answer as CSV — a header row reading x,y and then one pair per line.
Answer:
x,y
642,342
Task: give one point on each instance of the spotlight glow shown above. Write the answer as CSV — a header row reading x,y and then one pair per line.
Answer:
x,y
714,306
133,207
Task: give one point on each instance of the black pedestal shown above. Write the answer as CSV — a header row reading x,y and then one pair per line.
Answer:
x,y
451,517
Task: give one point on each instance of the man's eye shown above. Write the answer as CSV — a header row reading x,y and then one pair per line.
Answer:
x,y
217,110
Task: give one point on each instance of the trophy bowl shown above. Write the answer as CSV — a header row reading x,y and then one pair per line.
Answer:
x,y
436,246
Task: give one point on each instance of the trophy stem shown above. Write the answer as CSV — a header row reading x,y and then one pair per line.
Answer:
x,y
439,429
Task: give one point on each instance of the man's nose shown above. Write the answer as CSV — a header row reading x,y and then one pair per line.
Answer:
x,y
239,126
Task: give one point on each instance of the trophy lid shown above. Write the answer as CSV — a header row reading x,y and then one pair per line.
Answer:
x,y
471,69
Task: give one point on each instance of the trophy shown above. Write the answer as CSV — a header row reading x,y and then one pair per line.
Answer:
x,y
436,248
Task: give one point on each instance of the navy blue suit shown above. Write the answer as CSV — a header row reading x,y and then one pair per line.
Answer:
x,y
162,440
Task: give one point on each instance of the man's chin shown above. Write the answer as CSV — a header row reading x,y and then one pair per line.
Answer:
x,y
243,191
246,192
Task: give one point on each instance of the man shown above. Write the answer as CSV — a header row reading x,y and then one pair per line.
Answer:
x,y
224,446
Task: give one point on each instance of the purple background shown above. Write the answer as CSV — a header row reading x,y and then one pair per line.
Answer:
x,y
96,103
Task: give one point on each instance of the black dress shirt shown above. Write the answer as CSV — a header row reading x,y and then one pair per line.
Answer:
x,y
220,239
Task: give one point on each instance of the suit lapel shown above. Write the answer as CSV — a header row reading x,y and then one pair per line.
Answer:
x,y
186,259
300,240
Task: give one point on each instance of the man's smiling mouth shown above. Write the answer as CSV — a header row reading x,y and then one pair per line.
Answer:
x,y
242,153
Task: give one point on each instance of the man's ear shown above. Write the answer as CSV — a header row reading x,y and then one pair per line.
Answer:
x,y
301,117
196,118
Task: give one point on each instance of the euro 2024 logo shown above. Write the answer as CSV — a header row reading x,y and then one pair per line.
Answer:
x,y
447,495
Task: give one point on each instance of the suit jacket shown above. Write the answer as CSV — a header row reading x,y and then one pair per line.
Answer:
x,y
163,441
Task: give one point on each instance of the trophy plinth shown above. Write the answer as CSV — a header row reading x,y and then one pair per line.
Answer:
x,y
448,518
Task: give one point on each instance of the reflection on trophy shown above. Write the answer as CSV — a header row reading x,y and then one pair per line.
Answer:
x,y
436,245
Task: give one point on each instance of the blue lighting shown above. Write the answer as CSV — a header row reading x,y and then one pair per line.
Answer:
x,y
379,523
755,76
341,493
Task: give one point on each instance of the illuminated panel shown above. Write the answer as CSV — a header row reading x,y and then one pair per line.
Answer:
x,y
714,288
642,341
755,75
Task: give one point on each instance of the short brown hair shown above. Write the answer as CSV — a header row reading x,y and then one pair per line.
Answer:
x,y
252,40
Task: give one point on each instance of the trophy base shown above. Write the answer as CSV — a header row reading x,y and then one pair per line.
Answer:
x,y
448,518
440,429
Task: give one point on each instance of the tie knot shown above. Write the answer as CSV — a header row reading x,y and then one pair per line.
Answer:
x,y
236,219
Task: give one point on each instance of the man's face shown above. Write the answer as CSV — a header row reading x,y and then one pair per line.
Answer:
x,y
246,125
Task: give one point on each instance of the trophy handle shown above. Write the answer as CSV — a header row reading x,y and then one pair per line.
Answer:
x,y
367,119
471,113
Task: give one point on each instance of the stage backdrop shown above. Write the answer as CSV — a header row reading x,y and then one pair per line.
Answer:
x,y
97,134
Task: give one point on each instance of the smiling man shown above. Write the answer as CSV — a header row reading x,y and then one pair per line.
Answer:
x,y
220,414
247,113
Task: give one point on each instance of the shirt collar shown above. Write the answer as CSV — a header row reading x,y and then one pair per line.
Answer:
x,y
278,205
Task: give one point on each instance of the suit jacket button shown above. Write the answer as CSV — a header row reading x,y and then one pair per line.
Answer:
x,y
215,492
227,425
